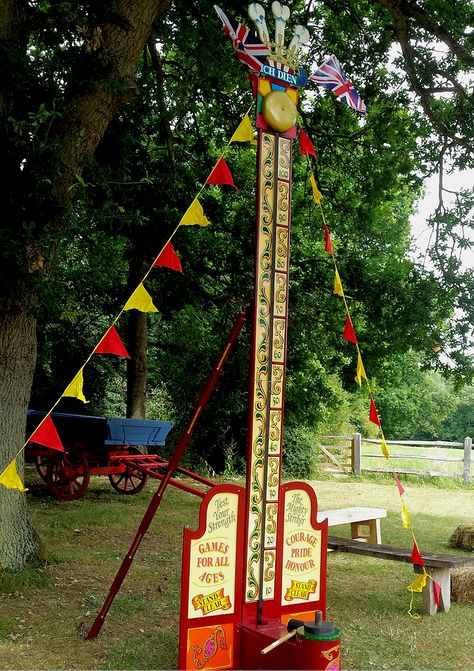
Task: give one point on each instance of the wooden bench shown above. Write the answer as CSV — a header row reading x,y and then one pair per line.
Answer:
x,y
365,522
437,565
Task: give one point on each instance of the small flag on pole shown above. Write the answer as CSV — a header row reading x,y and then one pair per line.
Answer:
x,y
384,448
332,77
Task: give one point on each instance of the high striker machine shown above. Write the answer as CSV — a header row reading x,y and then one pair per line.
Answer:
x,y
254,572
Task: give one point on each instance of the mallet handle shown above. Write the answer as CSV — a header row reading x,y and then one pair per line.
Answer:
x,y
278,642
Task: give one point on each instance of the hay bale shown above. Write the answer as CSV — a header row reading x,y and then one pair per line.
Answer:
x,y
462,584
463,537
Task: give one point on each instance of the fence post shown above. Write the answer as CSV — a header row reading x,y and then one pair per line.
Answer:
x,y
356,453
467,460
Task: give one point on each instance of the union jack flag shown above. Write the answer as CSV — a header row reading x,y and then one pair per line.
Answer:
x,y
248,47
331,75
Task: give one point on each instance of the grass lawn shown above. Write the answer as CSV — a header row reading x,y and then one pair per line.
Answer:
x,y
43,615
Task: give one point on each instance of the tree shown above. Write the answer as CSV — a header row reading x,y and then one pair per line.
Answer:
x,y
68,67
71,66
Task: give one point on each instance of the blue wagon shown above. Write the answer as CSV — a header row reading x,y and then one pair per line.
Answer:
x,y
91,447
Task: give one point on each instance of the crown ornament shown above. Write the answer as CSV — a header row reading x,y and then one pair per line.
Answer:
x,y
278,53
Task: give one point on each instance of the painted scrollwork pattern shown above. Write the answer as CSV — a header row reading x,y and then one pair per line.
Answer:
x,y
202,654
269,573
283,204
284,158
282,249
280,294
277,386
268,368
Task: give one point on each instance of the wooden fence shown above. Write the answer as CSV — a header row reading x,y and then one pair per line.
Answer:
x,y
356,454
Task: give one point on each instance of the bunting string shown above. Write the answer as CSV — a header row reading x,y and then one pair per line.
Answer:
x,y
349,334
110,343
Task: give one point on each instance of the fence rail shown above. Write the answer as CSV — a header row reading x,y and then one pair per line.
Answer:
x,y
348,454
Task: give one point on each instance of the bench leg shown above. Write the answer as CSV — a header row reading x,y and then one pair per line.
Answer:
x,y
374,535
443,577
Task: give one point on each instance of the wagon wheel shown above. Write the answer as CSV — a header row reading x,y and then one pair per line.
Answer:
x,y
131,481
67,475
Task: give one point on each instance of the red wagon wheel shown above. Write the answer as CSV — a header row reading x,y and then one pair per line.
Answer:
x,y
131,481
67,475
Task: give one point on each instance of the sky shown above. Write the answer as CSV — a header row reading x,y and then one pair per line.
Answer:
x,y
426,206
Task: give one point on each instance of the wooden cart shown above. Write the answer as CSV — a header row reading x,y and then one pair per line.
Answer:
x,y
92,445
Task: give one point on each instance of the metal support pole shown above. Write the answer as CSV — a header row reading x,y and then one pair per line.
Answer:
x,y
172,465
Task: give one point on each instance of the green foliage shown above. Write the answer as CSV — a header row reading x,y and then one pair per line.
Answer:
x,y
152,161
413,403
460,423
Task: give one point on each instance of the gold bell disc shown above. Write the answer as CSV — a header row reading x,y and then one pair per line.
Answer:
x,y
279,111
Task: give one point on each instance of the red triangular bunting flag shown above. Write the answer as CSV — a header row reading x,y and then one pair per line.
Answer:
x,y
47,435
168,258
437,592
401,489
373,414
306,146
111,344
416,557
327,239
221,174
349,333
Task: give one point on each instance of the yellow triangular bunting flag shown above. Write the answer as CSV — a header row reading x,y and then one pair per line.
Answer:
x,y
140,300
384,448
360,371
317,195
10,478
75,388
194,215
419,583
338,290
244,132
405,516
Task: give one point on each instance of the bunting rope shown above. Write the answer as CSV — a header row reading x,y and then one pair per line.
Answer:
x,y
45,433
349,334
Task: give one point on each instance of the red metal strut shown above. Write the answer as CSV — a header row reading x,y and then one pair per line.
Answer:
x,y
172,466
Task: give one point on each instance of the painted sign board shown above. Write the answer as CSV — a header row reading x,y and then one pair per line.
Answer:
x,y
212,581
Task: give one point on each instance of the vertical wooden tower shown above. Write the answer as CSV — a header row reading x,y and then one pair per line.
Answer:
x,y
258,557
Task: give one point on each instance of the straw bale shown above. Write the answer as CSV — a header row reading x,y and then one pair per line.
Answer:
x,y
462,584
462,537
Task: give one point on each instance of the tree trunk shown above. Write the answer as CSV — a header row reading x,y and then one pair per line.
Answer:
x,y
137,365
91,99
19,544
